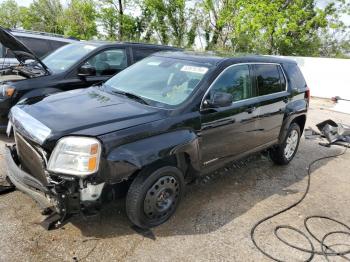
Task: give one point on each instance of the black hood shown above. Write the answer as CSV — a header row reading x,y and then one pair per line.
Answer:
x,y
89,112
20,51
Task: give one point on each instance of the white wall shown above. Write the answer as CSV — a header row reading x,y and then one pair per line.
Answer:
x,y
326,77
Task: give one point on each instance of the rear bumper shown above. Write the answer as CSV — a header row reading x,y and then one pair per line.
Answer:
x,y
25,182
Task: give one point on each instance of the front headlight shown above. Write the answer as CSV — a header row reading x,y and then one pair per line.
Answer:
x,y
78,156
6,91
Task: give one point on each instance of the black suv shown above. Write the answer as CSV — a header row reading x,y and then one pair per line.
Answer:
x,y
72,66
40,43
164,120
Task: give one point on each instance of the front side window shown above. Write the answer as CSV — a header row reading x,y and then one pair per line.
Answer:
x,y
161,81
64,57
236,81
268,79
109,62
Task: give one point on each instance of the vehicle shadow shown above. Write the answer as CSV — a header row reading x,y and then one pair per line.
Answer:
x,y
218,198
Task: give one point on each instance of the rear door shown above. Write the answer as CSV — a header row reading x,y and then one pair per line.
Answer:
x,y
273,97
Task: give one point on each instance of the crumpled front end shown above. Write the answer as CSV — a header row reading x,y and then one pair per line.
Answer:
x,y
57,195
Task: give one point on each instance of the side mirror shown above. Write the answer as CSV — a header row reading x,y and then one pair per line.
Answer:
x,y
86,70
219,99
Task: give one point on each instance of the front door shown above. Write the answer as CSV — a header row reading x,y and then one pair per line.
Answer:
x,y
230,131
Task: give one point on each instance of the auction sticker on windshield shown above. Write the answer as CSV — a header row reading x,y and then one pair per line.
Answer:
x,y
194,69
154,63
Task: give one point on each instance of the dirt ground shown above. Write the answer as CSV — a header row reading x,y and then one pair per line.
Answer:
x,y
213,221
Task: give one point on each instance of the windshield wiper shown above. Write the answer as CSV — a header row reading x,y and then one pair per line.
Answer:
x,y
131,96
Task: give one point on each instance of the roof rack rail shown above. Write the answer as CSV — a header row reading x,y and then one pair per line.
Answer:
x,y
41,33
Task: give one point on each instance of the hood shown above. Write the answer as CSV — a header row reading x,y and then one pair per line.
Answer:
x,y
20,51
89,112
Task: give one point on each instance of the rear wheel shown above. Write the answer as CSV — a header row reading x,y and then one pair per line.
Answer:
x,y
154,196
285,152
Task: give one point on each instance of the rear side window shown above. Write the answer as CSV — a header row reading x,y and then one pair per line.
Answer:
x,y
269,79
141,53
295,76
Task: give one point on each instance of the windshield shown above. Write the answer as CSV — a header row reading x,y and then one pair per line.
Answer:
x,y
160,81
64,57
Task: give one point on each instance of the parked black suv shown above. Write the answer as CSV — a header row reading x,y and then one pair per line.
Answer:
x,y
164,120
73,66
40,43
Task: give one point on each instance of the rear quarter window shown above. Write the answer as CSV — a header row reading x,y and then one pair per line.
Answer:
x,y
296,78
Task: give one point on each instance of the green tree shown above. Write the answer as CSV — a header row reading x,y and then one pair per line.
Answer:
x,y
43,15
282,27
217,22
9,14
109,20
171,21
117,24
112,18
335,38
80,19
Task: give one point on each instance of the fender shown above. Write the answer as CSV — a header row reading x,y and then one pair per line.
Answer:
x,y
124,160
293,110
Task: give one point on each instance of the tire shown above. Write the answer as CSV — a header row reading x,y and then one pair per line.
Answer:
x,y
285,152
154,196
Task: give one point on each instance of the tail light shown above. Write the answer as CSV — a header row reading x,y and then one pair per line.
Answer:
x,y
307,94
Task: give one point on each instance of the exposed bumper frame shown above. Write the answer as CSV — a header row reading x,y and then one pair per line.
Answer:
x,y
24,182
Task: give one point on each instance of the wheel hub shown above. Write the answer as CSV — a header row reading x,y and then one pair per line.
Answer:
x,y
291,144
161,197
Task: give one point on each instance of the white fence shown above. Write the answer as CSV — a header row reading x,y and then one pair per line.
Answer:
x,y
326,77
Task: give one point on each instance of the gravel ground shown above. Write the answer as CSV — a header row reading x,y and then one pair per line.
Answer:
x,y
212,223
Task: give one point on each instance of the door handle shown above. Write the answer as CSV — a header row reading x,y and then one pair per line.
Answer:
x,y
250,110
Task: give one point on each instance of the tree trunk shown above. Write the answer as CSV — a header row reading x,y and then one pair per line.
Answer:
x,y
121,13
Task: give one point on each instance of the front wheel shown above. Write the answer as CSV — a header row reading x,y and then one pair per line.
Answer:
x,y
285,152
154,196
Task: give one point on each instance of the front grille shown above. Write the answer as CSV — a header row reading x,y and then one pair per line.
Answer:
x,y
30,159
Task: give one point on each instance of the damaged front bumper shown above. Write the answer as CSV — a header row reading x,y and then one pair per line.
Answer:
x,y
25,182
60,199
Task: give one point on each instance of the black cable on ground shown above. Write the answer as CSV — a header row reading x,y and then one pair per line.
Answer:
x,y
326,251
